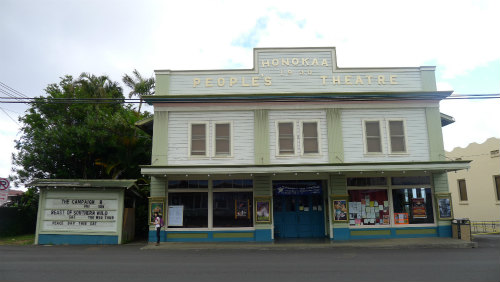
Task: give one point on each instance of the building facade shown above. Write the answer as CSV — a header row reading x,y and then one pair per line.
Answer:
x,y
476,191
297,147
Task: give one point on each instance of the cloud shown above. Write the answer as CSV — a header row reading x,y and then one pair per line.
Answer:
x,y
44,40
8,132
251,38
475,121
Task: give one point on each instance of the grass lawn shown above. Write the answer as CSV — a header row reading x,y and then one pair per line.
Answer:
x,y
28,239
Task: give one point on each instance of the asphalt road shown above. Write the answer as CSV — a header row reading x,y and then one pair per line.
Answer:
x,y
130,263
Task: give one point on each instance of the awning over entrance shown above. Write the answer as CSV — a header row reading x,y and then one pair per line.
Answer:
x,y
128,184
441,166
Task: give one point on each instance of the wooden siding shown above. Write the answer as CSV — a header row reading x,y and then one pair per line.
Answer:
x,y
298,116
262,185
436,144
158,187
440,181
338,185
261,129
160,138
416,134
243,135
334,130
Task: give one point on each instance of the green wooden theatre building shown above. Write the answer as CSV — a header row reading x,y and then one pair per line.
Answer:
x,y
297,147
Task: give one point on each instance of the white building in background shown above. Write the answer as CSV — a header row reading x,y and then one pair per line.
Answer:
x,y
476,191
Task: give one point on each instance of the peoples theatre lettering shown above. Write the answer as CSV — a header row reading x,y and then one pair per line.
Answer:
x,y
304,68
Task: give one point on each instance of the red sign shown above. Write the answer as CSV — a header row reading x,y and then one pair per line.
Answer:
x,y
4,184
400,218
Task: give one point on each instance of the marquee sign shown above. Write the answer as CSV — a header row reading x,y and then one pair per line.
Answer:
x,y
91,214
292,70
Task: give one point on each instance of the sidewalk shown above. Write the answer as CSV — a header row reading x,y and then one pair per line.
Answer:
x,y
406,243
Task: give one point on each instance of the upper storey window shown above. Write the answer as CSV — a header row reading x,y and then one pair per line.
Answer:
x,y
198,139
291,143
393,130
222,138
373,136
397,136
310,142
286,140
220,135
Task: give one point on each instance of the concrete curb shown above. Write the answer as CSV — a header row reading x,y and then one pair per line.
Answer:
x,y
410,243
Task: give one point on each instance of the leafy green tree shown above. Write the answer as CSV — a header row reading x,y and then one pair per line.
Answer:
x,y
81,129
140,86
67,135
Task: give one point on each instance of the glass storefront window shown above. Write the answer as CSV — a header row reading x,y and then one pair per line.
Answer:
x,y
232,209
414,203
412,180
233,183
366,181
232,201
368,207
195,208
188,184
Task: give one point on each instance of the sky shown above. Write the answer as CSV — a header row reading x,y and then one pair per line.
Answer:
x,y
41,41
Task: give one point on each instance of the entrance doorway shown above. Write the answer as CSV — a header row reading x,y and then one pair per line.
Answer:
x,y
298,209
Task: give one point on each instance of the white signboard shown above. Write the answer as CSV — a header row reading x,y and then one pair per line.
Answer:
x,y
74,213
175,215
80,204
4,195
87,226
78,214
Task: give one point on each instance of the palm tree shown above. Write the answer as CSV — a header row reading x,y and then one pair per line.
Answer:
x,y
140,86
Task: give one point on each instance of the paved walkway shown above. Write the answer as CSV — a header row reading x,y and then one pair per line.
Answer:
x,y
407,243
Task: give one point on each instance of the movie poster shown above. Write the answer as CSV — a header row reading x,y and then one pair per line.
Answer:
x,y
418,208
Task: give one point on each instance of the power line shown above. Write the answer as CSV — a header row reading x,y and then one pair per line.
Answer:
x,y
7,93
3,110
234,99
11,111
239,99
12,90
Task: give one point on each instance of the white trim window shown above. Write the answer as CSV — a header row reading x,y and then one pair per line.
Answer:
x,y
198,141
310,137
285,138
222,139
496,181
372,132
397,136
462,190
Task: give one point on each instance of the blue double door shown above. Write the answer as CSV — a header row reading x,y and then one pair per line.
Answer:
x,y
299,216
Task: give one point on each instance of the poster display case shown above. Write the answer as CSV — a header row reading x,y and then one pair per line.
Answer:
x,y
263,209
444,207
156,204
340,208
368,207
